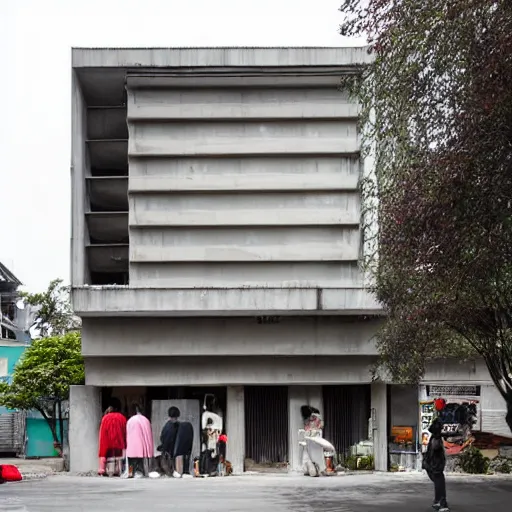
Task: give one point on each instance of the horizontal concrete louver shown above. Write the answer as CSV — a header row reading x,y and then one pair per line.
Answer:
x,y
233,187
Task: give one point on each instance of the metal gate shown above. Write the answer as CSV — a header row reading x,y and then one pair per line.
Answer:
x,y
266,424
346,415
8,438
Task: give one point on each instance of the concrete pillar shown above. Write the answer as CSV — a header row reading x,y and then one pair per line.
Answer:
x,y
380,425
297,397
235,428
84,422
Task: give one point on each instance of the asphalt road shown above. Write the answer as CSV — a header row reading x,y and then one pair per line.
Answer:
x,y
273,493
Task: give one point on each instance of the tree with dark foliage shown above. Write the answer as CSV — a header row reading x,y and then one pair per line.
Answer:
x,y
437,112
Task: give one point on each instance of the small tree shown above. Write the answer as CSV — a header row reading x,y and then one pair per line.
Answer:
x,y
42,378
55,316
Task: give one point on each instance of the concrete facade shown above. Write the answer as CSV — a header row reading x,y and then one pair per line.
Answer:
x,y
379,425
211,188
216,229
84,419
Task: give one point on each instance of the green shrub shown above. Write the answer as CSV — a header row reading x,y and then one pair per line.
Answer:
x,y
473,462
501,465
351,462
365,463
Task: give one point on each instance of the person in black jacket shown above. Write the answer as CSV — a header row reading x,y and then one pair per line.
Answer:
x,y
434,462
183,448
168,440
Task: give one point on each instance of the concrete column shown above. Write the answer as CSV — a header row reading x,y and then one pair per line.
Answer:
x,y
297,397
380,425
84,422
235,428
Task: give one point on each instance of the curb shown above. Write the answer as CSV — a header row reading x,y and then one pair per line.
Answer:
x,y
26,477
503,476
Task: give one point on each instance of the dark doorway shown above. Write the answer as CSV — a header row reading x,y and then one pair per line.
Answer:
x,y
346,414
266,424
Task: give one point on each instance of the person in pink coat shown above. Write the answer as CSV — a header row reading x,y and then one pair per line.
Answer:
x,y
139,442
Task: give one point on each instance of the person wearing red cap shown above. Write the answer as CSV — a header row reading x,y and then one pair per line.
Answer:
x,y
434,462
439,404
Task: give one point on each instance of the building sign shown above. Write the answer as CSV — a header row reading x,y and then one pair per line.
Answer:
x,y
444,391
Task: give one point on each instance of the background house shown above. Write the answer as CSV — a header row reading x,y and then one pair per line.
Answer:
x,y
22,433
13,342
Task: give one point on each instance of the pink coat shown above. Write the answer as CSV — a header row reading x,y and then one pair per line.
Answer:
x,y
139,438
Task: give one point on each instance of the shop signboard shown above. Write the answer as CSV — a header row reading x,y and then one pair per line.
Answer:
x,y
466,391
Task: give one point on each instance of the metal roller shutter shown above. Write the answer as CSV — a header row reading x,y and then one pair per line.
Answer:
x,y
266,424
346,415
7,438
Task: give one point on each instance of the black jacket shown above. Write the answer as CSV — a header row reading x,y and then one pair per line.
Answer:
x,y
184,439
434,459
168,437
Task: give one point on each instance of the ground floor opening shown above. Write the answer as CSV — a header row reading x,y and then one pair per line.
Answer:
x,y
266,427
262,423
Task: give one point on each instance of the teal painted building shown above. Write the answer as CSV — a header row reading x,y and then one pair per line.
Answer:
x,y
24,433
38,437
9,356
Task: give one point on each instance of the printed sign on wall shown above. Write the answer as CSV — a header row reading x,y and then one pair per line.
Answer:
x,y
458,417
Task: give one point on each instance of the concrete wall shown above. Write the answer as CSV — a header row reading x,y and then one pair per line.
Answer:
x,y
236,182
457,372
211,57
494,411
132,301
284,218
235,428
292,336
201,104
84,422
380,425
231,371
79,171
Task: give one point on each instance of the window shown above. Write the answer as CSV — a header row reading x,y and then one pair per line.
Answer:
x,y
3,367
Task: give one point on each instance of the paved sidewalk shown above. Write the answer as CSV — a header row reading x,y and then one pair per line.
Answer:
x,y
276,493
36,468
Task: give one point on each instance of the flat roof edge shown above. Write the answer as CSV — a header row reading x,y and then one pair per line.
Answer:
x,y
219,57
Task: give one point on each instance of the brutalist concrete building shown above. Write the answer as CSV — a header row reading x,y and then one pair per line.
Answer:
x,y
215,246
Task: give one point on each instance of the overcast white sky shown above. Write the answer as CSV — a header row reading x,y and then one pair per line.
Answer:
x,y
36,37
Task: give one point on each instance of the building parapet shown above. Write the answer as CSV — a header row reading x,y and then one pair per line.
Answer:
x,y
218,57
123,300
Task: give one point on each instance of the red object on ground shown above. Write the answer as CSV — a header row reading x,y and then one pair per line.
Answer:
x,y
9,473
112,433
440,404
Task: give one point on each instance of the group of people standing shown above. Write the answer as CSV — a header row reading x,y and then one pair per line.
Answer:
x,y
126,446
